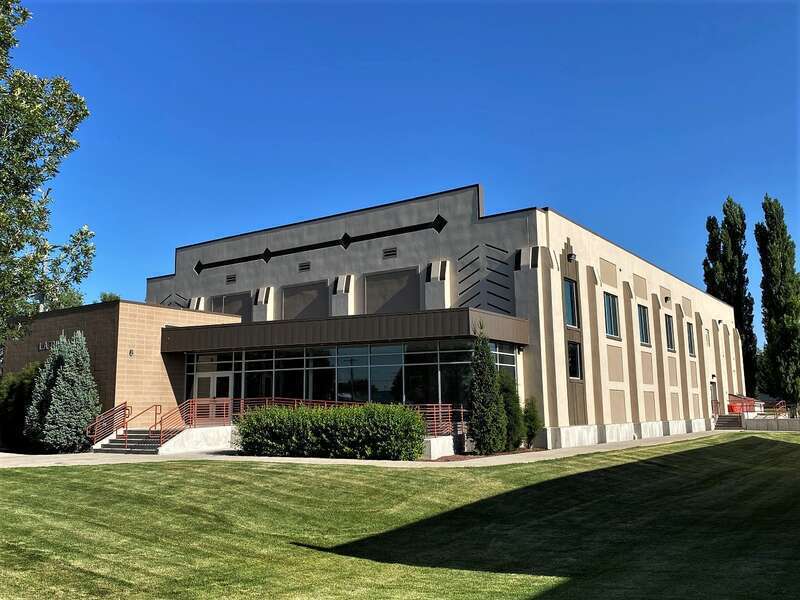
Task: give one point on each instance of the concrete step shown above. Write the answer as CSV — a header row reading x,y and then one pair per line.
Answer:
x,y
126,451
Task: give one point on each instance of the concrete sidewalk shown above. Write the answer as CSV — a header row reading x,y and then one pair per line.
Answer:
x,y
9,461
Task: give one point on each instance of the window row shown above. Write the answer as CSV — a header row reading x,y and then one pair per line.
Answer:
x,y
415,372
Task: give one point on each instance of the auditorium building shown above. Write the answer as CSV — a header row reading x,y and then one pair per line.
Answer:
x,y
383,305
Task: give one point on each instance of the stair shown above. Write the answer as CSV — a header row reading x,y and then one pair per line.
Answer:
x,y
728,423
139,442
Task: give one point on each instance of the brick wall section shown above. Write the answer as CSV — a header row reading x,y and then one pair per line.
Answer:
x,y
147,377
98,322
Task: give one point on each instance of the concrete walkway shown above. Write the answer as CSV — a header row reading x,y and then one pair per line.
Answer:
x,y
8,460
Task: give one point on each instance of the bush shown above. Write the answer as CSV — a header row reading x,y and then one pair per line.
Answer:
x,y
515,426
15,393
532,422
64,399
372,431
487,416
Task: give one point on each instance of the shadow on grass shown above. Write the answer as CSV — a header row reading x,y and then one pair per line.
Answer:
x,y
717,521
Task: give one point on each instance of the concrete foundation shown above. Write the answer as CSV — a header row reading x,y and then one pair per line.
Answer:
x,y
200,439
674,427
695,425
649,429
616,432
572,436
437,447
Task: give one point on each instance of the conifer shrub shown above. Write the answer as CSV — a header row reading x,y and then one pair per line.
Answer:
x,y
64,399
487,416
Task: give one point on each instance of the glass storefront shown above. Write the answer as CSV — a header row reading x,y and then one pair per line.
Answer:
x,y
425,372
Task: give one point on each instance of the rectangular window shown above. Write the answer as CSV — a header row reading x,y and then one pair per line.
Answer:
x,y
571,303
574,363
644,325
670,333
612,314
708,338
690,338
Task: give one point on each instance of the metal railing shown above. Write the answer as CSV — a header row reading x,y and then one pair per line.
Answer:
x,y
440,419
740,404
108,423
156,408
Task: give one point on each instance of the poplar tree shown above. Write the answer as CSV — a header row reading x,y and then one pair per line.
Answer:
x,y
725,275
780,304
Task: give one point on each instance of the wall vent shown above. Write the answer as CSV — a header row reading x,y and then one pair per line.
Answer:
x,y
230,278
304,266
389,253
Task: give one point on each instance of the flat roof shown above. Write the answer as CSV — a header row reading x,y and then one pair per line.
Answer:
x,y
354,329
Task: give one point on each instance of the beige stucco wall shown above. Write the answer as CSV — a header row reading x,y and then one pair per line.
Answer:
x,y
145,376
625,380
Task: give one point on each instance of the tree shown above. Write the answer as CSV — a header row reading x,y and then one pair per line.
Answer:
x,y
725,275
15,393
780,304
487,417
108,297
64,399
515,427
38,118
532,421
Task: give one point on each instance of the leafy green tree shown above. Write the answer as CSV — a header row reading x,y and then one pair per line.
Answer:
x,y
15,394
487,417
725,275
515,427
64,399
38,118
108,297
532,421
780,304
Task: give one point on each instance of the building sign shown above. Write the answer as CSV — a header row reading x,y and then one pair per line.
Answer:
x,y
45,346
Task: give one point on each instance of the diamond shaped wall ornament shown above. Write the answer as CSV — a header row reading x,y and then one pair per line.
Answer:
x,y
438,223
345,241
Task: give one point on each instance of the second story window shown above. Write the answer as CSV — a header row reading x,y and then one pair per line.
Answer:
x,y
644,325
670,333
690,338
571,303
612,314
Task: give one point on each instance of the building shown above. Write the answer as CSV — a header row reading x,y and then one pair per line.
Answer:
x,y
382,305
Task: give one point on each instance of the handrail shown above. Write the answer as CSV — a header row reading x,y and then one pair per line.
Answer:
x,y
108,422
156,408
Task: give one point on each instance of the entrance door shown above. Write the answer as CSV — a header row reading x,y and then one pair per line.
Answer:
x,y
213,385
714,401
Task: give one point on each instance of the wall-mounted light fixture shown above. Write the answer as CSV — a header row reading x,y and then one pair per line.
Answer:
x,y
667,299
713,376
719,321
571,257
131,353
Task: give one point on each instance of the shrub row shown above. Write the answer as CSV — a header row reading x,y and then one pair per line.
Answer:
x,y
372,431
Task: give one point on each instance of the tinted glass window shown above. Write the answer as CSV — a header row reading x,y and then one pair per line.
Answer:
x,y
289,384
422,384
574,360
570,303
612,314
321,384
690,338
670,332
353,384
644,324
386,384
455,384
258,385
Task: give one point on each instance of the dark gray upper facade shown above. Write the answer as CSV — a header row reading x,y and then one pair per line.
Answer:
x,y
433,252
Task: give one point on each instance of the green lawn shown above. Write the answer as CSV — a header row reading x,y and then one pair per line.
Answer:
x,y
712,518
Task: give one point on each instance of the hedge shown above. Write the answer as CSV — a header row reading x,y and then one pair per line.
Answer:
x,y
372,431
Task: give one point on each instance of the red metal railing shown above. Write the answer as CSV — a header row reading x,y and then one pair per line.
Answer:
x,y
156,408
440,419
108,422
740,404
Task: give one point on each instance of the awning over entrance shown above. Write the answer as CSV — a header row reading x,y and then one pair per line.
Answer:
x,y
429,324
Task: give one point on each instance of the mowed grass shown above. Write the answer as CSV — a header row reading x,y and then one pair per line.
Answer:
x,y
711,518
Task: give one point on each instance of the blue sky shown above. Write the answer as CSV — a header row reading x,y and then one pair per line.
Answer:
x,y
636,120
